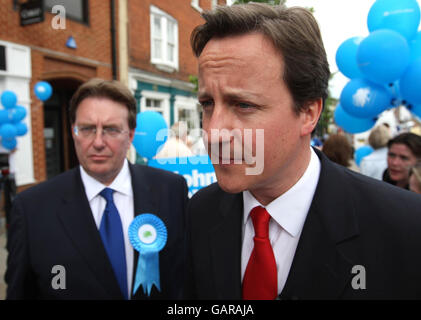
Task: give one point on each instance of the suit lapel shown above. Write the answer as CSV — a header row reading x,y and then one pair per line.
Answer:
x,y
322,265
78,222
225,243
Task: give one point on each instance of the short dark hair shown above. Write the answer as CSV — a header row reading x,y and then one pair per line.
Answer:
x,y
293,31
411,140
100,88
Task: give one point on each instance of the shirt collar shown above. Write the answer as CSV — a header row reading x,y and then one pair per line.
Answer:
x,y
122,183
290,209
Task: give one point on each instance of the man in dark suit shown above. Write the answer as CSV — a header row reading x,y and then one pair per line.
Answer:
x,y
56,241
290,224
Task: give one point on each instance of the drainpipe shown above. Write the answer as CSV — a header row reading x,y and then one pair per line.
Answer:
x,y
113,42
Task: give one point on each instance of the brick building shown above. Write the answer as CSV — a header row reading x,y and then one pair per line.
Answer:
x,y
143,43
38,52
161,59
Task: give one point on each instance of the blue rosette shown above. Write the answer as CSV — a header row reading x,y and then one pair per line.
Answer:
x,y
148,236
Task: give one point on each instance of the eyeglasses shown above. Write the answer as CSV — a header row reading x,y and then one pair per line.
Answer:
x,y
89,132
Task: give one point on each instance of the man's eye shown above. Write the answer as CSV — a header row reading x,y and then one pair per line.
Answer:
x,y
111,130
206,103
87,129
244,105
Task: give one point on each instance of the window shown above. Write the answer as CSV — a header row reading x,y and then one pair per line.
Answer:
x,y
186,110
75,9
154,105
195,4
164,40
156,101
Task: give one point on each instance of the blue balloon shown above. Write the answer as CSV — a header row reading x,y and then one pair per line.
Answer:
x,y
8,99
362,152
4,116
21,129
410,83
415,110
43,90
9,144
352,124
7,131
363,99
17,114
415,47
151,132
402,16
346,58
383,56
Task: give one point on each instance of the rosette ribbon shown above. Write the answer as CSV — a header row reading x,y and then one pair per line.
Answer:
x,y
148,236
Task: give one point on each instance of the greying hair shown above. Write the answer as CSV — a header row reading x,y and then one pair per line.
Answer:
x,y
99,88
293,31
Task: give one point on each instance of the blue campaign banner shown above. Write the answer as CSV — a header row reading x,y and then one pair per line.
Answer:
x,y
197,170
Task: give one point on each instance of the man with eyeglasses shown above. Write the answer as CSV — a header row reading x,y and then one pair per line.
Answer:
x,y
68,237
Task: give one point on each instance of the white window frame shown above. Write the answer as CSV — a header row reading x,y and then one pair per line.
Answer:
x,y
163,63
195,5
164,97
214,3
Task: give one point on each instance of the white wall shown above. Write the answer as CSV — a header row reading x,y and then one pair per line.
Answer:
x,y
17,78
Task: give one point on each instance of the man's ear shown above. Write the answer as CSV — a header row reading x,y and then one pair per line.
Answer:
x,y
131,135
310,116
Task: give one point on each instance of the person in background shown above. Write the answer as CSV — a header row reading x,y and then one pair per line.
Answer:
x,y
176,146
404,151
7,180
75,226
375,163
415,178
338,149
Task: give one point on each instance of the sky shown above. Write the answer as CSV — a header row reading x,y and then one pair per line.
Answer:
x,y
339,20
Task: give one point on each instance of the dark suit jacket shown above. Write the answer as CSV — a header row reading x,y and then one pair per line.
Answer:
x,y
353,221
52,224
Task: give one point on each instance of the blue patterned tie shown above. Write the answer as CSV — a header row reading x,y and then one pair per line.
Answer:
x,y
111,231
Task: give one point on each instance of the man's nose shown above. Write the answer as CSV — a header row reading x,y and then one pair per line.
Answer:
x,y
219,126
99,139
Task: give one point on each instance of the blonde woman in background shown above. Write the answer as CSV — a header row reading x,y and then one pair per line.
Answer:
x,y
375,163
415,178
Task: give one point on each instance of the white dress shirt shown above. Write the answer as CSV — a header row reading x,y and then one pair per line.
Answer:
x,y
288,213
123,199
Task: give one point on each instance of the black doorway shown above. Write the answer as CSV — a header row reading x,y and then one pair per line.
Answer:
x,y
59,148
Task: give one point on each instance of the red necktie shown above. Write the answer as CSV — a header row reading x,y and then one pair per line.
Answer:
x,y
261,278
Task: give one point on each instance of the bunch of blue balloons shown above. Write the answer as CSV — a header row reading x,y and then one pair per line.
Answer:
x,y
10,120
11,125
384,68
